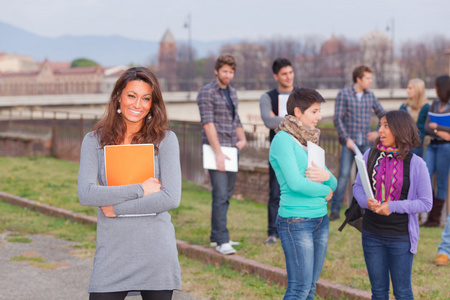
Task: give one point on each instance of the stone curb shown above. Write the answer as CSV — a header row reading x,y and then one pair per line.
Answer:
x,y
325,288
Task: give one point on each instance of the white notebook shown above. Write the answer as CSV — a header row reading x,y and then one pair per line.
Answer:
x,y
362,171
282,101
209,158
316,154
357,151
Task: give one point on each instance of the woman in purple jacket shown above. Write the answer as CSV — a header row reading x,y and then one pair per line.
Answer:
x,y
390,228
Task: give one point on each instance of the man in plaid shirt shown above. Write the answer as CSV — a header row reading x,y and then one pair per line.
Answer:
x,y
217,102
352,112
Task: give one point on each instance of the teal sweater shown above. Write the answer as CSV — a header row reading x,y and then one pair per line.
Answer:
x,y
300,197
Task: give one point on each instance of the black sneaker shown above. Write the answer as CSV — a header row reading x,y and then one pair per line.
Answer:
x,y
334,216
270,240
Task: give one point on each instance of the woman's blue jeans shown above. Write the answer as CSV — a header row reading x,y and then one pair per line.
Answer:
x,y
386,257
437,158
304,244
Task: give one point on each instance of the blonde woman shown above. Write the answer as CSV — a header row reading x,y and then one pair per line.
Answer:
x,y
417,107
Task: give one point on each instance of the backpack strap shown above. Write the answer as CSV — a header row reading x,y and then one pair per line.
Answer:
x,y
406,179
371,160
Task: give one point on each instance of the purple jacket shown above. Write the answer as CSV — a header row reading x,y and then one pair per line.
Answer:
x,y
420,197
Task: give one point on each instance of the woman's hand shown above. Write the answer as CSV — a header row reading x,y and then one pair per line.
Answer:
x,y
383,209
432,125
317,174
373,204
330,195
108,211
151,186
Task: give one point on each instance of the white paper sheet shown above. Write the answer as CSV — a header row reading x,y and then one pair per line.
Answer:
x,y
282,101
362,171
316,154
357,151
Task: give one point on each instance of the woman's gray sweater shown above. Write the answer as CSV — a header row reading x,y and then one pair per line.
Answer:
x,y
133,253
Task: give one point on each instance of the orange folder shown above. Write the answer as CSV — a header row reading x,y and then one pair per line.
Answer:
x,y
129,164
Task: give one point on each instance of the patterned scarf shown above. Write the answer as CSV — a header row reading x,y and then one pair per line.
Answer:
x,y
302,133
387,175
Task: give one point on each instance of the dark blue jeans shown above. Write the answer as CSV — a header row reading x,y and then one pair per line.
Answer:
x,y
222,190
437,158
304,243
274,203
347,158
418,151
386,257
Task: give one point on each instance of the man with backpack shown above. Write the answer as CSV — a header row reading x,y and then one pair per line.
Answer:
x,y
284,75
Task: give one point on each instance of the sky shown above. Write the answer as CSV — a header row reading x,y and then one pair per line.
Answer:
x,y
213,20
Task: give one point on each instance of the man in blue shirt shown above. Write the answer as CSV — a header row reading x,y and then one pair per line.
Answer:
x,y
352,112
217,102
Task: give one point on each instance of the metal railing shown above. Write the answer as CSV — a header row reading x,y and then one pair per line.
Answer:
x,y
69,128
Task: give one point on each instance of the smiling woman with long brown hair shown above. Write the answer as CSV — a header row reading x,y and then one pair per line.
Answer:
x,y
136,246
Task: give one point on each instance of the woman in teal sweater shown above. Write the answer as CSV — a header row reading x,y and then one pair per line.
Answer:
x,y
302,221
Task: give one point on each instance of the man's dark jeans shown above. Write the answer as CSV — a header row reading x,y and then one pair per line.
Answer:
x,y
274,203
222,189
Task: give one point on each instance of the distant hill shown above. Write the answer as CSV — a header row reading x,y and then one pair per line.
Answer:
x,y
106,50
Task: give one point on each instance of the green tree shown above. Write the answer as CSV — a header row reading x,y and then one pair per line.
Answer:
x,y
83,62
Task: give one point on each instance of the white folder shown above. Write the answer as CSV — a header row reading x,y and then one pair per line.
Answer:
x,y
209,158
282,101
362,171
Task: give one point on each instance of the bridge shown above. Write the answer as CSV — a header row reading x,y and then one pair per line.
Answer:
x,y
183,106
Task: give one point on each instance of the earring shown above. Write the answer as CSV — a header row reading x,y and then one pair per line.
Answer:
x,y
119,111
149,116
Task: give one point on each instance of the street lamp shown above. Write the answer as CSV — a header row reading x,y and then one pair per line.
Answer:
x,y
188,25
390,27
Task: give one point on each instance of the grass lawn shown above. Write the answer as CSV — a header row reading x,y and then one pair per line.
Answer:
x,y
53,182
201,280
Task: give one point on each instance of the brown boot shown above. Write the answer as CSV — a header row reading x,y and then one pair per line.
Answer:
x,y
434,216
441,260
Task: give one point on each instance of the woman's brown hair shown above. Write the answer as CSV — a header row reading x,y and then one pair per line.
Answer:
x,y
111,129
442,85
404,130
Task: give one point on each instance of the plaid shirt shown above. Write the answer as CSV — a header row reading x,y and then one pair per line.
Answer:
x,y
352,117
214,108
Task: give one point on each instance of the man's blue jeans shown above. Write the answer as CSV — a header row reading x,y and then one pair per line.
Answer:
x,y
444,246
222,190
386,257
274,203
304,244
437,158
347,157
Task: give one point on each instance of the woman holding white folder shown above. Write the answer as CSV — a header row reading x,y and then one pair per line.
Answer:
x,y
401,187
136,246
302,221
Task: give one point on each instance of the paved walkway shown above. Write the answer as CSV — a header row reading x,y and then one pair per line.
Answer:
x,y
62,275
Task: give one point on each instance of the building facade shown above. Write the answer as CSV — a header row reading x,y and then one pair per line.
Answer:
x,y
53,78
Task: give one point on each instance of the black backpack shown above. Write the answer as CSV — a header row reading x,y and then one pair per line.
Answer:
x,y
354,214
